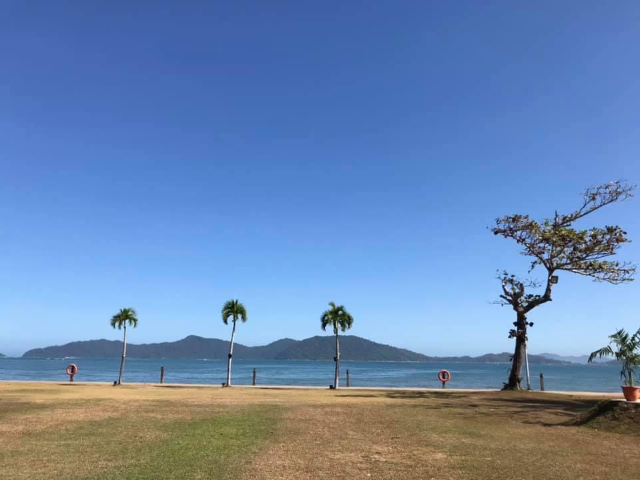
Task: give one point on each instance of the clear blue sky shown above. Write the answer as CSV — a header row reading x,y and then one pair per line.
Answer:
x,y
170,156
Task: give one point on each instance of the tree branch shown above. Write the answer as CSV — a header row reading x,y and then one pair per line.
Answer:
x,y
594,198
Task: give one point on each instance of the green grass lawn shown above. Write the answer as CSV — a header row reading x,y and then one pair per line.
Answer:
x,y
146,432
104,439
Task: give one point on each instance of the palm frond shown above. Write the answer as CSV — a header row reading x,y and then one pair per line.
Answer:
x,y
337,317
327,318
603,352
126,316
233,309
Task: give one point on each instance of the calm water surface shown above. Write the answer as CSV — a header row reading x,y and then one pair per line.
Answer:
x,y
596,378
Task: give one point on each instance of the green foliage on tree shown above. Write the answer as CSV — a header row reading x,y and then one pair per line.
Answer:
x,y
234,310
126,316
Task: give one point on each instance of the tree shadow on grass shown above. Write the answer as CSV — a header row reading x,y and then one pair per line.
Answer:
x,y
10,407
528,408
427,395
519,400
360,395
182,387
404,395
547,412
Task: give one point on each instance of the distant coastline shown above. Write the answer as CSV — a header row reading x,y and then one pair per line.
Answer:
x,y
314,348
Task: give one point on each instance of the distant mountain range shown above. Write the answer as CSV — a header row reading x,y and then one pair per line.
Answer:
x,y
314,348
567,358
581,359
1,355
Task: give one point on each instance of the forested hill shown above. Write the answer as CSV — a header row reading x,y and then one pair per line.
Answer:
x,y
351,348
314,348
189,347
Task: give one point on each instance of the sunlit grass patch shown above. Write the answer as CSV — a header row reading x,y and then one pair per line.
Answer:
x,y
138,442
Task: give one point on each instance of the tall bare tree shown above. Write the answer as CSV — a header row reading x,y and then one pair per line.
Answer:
x,y
555,245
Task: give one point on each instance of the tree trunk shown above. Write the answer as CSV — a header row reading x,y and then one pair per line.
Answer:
x,y
337,376
515,377
233,334
124,355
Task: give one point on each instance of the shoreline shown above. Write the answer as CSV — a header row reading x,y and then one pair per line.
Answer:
x,y
437,361
604,395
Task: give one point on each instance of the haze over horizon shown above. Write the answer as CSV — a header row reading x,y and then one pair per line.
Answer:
x,y
291,154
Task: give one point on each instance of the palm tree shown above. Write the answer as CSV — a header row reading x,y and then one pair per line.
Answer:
x,y
119,320
338,318
235,310
627,353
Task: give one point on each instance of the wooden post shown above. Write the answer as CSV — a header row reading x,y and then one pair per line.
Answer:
x,y
162,374
444,384
254,377
348,378
542,382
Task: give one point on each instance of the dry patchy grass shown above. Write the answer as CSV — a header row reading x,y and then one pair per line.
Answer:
x,y
99,431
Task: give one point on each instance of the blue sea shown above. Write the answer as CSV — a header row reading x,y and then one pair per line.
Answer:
x,y
595,378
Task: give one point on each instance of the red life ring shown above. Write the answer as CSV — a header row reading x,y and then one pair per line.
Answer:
x,y
444,376
72,369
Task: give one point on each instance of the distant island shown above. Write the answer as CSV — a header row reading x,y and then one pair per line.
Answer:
x,y
1,355
314,348
581,359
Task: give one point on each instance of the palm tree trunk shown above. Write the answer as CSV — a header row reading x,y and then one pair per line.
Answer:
x,y
337,376
515,376
233,334
124,355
